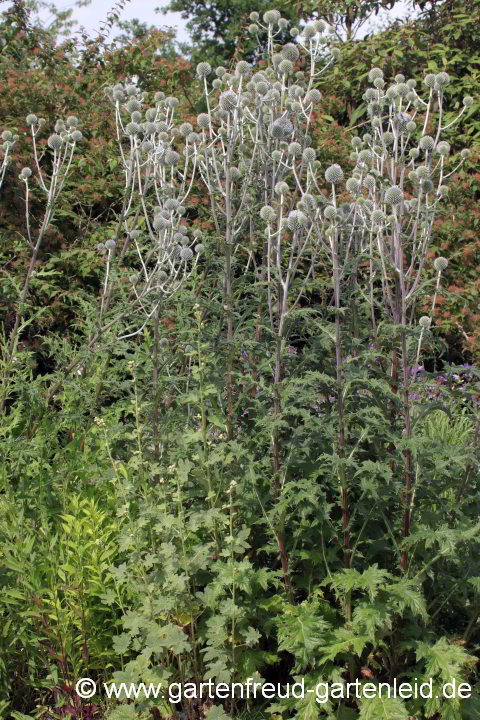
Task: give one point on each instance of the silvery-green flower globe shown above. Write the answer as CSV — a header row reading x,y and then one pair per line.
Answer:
x,y
442,79
427,143
161,223
330,213
203,69
254,16
277,155
467,100
308,156
427,186
151,114
159,96
243,69
411,126
296,220
313,96
414,153
162,276
118,96
60,126
228,101
134,278
282,128
440,264
353,186
25,173
443,148
132,128
171,101
147,146
290,52
424,322
281,188
374,73
271,17
199,248
55,142
429,80
133,105
423,172
72,121
101,247
309,32
465,153
295,149
186,254
334,174
111,244
394,195
178,237
369,182
267,213
443,190
294,32
379,83
136,116
285,67
171,157
370,94
7,135
378,217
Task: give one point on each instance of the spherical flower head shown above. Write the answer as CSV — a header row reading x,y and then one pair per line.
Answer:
x,y
334,174
281,188
379,83
388,138
101,247
203,120
294,32
199,248
414,153
31,119
309,31
185,129
356,142
76,136
151,114
228,101
424,322
399,78
467,100
374,73
7,135
295,149
411,126
442,79
371,94
402,90
440,264
378,217
277,155
186,254
282,128
161,223
394,195
429,80
254,16
147,146
133,105
443,148
136,116
353,186
296,220
134,278
427,143
330,213
365,156
118,96
465,153
243,69
203,69
171,102
290,52
427,186
111,244
308,156
25,173
55,142
60,126
320,26
369,182
159,96
268,214
283,24
443,190
313,96
285,67
271,17
72,121
132,128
